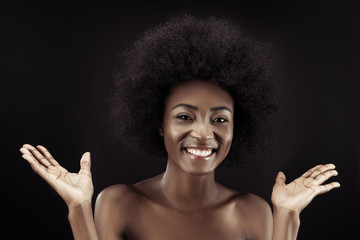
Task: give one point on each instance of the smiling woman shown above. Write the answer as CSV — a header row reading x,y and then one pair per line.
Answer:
x,y
198,126
199,92
183,49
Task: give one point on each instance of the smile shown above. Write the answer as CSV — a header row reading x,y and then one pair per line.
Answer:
x,y
200,152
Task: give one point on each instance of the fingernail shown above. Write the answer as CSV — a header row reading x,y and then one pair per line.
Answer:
x,y
24,157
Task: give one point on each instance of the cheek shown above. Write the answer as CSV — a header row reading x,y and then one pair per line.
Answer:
x,y
227,137
172,136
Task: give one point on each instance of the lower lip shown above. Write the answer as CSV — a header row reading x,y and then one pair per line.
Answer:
x,y
204,158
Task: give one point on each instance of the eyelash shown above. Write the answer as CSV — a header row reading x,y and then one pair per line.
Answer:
x,y
183,116
222,119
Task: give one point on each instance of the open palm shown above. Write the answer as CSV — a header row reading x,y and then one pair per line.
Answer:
x,y
74,188
296,195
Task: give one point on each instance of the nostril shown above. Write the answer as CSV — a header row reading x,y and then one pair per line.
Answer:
x,y
203,131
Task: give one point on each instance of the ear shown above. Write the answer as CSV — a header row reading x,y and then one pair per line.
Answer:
x,y
161,130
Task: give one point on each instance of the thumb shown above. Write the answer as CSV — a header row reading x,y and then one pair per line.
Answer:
x,y
85,164
280,178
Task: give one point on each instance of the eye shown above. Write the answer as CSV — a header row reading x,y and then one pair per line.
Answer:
x,y
184,117
220,119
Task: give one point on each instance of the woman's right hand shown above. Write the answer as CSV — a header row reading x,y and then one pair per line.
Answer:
x,y
75,188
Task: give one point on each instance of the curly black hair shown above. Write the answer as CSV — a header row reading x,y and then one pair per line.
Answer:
x,y
185,48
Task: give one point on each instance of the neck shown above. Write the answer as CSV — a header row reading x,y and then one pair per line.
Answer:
x,y
189,192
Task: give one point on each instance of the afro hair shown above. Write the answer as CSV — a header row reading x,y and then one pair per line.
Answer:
x,y
184,48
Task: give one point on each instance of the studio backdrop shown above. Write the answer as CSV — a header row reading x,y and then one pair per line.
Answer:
x,y
58,61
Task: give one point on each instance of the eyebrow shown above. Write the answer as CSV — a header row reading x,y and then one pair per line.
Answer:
x,y
213,109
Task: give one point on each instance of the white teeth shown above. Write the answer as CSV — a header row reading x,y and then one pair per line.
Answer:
x,y
197,152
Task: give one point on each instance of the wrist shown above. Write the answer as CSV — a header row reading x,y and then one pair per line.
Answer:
x,y
76,206
286,223
284,211
82,221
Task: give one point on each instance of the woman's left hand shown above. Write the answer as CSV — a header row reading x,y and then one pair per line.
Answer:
x,y
296,195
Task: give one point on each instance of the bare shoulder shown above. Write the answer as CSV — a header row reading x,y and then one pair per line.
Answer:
x,y
252,212
113,210
257,213
246,201
117,195
251,205
116,191
254,203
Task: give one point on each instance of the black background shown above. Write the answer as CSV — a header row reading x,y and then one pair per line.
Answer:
x,y
56,70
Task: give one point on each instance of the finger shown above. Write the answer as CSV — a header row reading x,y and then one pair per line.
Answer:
x,y
321,178
24,151
280,179
322,169
55,171
326,188
35,165
309,172
47,155
85,164
38,156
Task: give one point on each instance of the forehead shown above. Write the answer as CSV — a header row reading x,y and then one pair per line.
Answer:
x,y
200,93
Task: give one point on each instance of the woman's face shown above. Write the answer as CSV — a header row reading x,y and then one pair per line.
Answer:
x,y
198,126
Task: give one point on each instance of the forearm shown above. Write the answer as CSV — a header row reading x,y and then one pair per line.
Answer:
x,y
82,222
286,224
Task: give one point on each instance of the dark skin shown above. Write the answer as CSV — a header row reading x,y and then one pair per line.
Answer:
x,y
186,196
184,202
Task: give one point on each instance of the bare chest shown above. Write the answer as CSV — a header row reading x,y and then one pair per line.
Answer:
x,y
154,222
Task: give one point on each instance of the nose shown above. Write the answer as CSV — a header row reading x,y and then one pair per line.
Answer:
x,y
202,131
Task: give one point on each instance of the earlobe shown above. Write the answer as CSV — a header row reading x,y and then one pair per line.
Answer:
x,y
161,130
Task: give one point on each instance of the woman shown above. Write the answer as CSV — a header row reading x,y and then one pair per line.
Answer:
x,y
199,92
